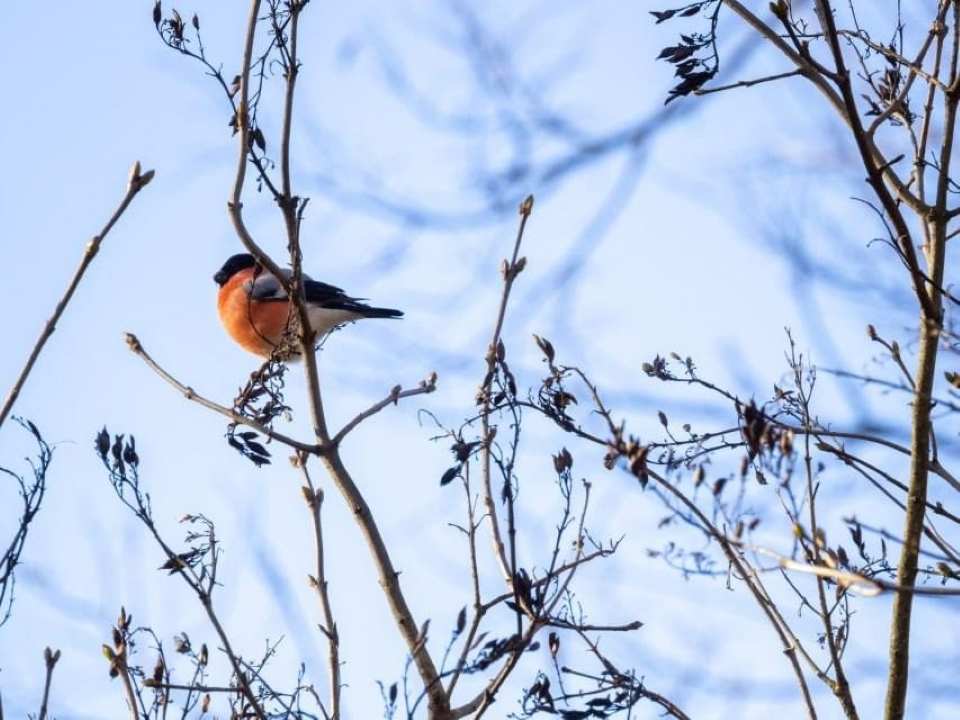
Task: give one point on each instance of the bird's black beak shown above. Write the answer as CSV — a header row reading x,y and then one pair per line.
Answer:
x,y
220,278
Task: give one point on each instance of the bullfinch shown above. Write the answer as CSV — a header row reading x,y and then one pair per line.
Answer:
x,y
254,307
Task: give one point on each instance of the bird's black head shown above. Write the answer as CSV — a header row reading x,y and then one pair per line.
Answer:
x,y
232,266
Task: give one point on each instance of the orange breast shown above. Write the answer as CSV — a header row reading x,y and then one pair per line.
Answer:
x,y
255,326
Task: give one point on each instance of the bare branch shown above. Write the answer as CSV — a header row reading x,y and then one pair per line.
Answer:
x,y
426,386
509,269
50,658
314,498
747,83
854,581
136,182
190,394
31,497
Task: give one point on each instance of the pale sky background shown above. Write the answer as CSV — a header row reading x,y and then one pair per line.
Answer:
x,y
679,247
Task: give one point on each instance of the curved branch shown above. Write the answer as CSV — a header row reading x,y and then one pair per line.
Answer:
x,y
426,386
190,394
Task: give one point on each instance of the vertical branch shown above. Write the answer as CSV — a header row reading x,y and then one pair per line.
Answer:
x,y
292,68
510,270
478,609
936,35
290,208
235,203
128,688
50,658
389,581
840,686
931,320
314,498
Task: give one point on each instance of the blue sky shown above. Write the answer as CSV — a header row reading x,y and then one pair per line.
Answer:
x,y
683,261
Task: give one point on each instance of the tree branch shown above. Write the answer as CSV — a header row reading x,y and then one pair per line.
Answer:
x,y
136,182
426,386
190,394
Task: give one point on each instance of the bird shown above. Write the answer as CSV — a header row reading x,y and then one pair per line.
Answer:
x,y
255,309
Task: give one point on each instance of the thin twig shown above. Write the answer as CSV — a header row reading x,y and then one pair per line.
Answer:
x,y
31,495
510,269
582,560
195,687
747,83
478,609
124,672
314,498
136,182
235,203
426,386
854,581
50,658
611,673
840,686
745,571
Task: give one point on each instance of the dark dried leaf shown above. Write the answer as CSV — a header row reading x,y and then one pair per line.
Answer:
x,y
117,449
562,461
667,52
546,347
257,449
130,453
103,443
449,475
660,15
691,83
842,556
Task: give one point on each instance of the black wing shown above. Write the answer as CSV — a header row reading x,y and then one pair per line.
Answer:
x,y
328,296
